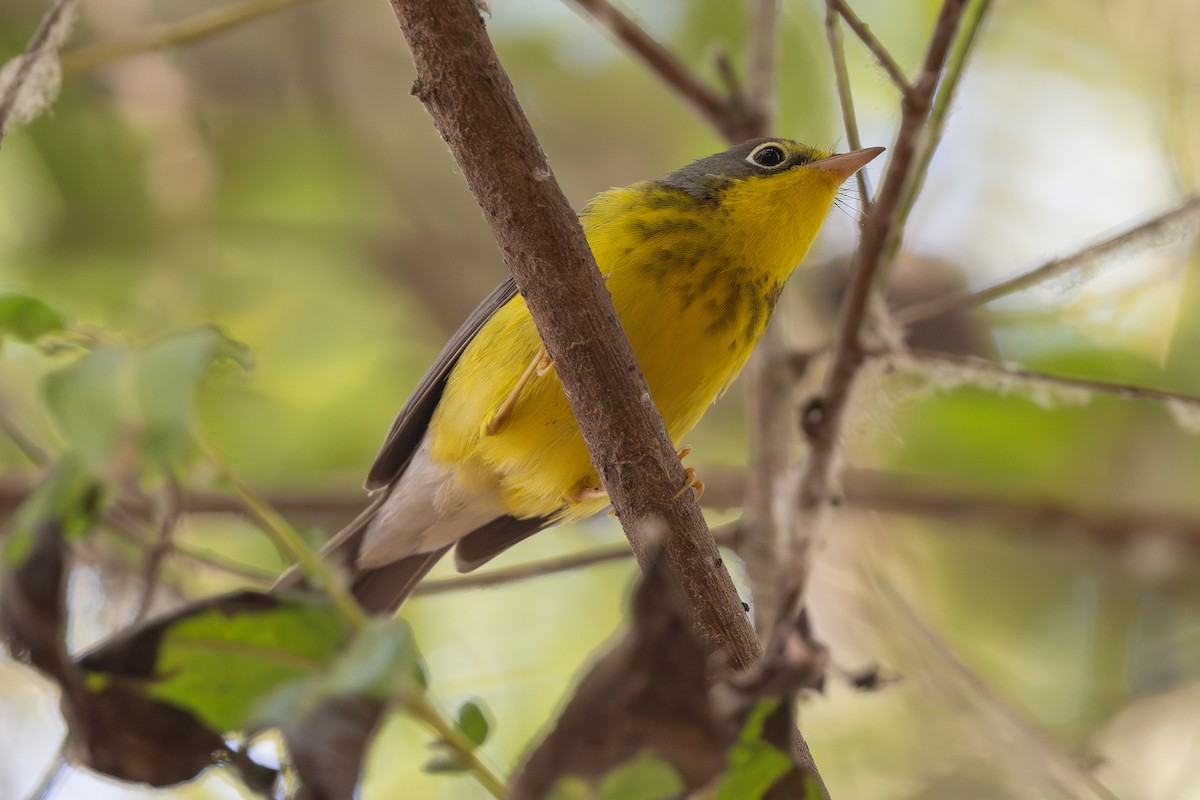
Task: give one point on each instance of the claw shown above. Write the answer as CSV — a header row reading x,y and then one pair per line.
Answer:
x,y
690,482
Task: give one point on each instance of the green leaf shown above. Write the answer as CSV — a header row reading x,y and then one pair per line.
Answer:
x,y
473,723
380,662
570,787
220,659
116,403
26,318
642,778
754,765
169,373
92,401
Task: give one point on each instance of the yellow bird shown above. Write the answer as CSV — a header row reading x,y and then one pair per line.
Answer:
x,y
486,452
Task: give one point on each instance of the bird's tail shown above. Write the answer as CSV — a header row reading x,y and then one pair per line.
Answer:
x,y
381,590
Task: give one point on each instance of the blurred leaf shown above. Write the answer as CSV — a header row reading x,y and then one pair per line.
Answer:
x,y
114,729
328,720
754,764
68,495
648,693
169,372
220,658
27,318
642,778
473,723
91,399
115,403
570,788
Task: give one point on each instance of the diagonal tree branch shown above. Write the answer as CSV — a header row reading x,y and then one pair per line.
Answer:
x,y
47,37
964,44
881,53
734,119
822,417
465,89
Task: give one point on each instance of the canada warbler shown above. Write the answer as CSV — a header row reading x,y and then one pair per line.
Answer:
x,y
487,452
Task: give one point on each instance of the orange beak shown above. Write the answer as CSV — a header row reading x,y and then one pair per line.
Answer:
x,y
844,165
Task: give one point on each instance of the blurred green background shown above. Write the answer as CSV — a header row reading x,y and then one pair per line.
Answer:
x,y
279,180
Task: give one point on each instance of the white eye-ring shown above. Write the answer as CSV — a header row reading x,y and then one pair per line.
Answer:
x,y
769,155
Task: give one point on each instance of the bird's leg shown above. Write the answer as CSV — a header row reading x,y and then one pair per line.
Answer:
x,y
581,493
535,368
544,362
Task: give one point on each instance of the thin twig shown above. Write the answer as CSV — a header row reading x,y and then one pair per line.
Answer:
x,y
289,541
996,714
711,107
882,55
725,536
1128,391
37,455
418,706
521,572
170,502
762,46
823,415
187,31
964,44
908,495
841,76
1167,227
41,39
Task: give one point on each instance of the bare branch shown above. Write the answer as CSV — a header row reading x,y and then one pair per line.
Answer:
x,y
893,493
722,114
170,502
723,536
37,455
881,53
762,45
959,687
465,89
48,35
841,75
192,29
1169,226
822,417
964,44
1127,390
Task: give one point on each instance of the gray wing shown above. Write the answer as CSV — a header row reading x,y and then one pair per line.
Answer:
x,y
410,424
383,589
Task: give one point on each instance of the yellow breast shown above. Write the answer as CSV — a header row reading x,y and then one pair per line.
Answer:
x,y
693,282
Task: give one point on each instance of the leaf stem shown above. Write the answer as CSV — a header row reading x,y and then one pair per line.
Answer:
x,y
289,540
417,705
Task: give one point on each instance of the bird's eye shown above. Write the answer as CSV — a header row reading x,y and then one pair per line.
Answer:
x,y
767,155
